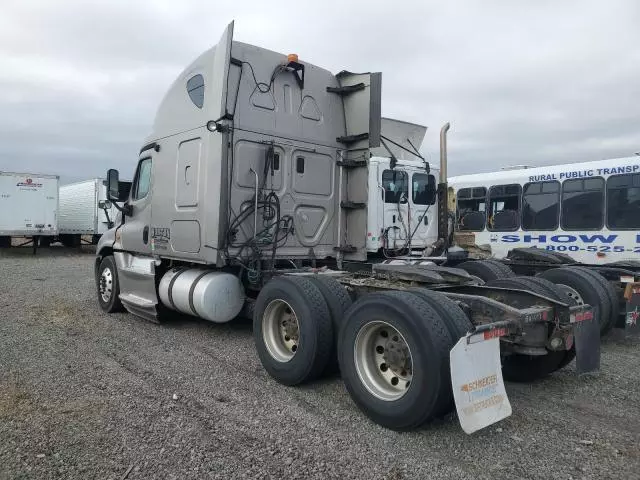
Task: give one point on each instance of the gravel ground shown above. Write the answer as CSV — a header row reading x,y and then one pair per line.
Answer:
x,y
87,395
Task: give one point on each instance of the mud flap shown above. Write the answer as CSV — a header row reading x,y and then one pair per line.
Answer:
x,y
632,314
476,378
586,334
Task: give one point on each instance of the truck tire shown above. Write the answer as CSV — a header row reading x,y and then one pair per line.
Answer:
x,y
504,269
614,301
521,368
45,242
5,242
338,301
292,330
534,255
588,290
626,263
71,241
456,321
108,286
394,359
536,285
486,270
564,258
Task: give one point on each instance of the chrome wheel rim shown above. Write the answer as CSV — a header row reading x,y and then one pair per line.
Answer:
x,y
106,285
280,330
383,360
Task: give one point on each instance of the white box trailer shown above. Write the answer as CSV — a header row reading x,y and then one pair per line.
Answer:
x,y
28,206
81,211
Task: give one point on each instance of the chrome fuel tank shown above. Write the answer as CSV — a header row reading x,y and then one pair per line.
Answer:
x,y
214,296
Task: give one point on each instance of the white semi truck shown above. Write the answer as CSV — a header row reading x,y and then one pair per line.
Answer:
x,y
84,211
252,196
28,206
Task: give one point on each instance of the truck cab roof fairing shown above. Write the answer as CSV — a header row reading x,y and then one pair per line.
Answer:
x,y
177,111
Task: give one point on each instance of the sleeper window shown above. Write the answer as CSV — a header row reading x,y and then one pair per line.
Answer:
x,y
195,88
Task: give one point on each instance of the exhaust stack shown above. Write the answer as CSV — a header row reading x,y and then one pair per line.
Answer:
x,y
443,152
443,194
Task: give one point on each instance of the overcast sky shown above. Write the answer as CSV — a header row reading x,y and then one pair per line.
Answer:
x,y
522,82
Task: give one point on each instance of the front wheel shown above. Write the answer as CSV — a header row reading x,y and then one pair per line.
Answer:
x,y
108,286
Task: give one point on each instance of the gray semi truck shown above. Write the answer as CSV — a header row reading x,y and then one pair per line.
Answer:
x,y
251,197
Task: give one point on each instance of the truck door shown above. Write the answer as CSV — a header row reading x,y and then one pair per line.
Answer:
x,y
395,184
134,234
424,225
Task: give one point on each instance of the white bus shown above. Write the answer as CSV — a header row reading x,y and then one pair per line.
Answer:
x,y
589,211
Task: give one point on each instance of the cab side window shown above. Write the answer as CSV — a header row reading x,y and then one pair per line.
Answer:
x,y
423,189
142,182
396,186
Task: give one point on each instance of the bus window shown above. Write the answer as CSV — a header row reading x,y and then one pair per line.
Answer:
x,y
504,208
471,208
541,206
623,202
423,189
582,204
396,186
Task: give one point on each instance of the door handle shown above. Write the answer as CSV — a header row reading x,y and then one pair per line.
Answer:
x,y
145,235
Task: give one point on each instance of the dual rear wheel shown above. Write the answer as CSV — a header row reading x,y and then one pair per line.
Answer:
x,y
392,348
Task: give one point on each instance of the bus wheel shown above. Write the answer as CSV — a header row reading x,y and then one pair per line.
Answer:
x,y
582,287
338,301
394,359
486,270
292,330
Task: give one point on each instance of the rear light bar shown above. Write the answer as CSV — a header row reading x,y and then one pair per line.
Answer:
x,y
581,316
489,331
